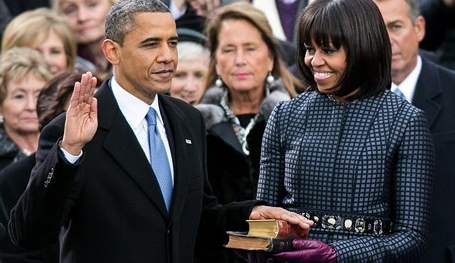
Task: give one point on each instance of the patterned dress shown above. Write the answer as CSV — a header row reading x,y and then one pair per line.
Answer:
x,y
370,158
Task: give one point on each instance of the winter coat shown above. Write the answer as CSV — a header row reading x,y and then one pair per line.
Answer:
x,y
9,151
232,173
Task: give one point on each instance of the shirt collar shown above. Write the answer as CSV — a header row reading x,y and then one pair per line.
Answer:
x,y
408,86
133,108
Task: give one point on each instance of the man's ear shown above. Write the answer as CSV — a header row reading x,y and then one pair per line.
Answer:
x,y
111,50
419,27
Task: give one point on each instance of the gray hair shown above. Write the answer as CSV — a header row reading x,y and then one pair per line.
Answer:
x,y
17,63
121,17
413,9
190,50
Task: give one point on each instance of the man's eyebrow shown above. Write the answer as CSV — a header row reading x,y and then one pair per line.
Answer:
x,y
394,21
150,39
154,39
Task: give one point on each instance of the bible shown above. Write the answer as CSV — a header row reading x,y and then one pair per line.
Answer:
x,y
271,235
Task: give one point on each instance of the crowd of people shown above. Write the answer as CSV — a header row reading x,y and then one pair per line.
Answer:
x,y
317,112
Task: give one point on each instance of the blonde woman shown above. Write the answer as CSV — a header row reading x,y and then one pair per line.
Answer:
x,y
86,20
23,74
47,32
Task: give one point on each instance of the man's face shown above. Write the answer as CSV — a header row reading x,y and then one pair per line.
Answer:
x,y
405,36
147,61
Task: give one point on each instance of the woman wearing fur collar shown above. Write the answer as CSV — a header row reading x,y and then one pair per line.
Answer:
x,y
246,79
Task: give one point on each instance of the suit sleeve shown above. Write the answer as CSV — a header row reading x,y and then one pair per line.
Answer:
x,y
13,180
36,219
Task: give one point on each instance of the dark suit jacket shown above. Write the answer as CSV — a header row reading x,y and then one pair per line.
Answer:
x,y
13,181
435,94
108,206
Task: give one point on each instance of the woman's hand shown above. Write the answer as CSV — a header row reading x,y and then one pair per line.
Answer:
x,y
270,212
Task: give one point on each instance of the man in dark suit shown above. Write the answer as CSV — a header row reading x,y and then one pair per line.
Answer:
x,y
93,185
431,88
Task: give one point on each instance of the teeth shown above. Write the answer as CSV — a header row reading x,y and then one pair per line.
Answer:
x,y
322,74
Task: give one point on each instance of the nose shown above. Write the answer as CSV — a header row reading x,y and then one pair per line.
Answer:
x,y
317,59
82,13
191,84
48,58
31,103
240,57
391,36
166,55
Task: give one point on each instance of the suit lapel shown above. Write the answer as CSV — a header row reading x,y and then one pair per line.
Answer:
x,y
181,147
427,91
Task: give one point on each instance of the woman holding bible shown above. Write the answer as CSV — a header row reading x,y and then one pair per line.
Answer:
x,y
348,153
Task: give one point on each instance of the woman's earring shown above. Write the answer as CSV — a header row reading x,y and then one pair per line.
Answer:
x,y
218,82
270,77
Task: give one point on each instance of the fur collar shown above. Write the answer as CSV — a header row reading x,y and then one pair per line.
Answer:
x,y
213,113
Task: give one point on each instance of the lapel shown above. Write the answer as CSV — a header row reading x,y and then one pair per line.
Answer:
x,y
224,131
178,130
122,146
427,91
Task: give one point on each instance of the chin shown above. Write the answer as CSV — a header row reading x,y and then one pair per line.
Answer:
x,y
161,89
30,130
322,90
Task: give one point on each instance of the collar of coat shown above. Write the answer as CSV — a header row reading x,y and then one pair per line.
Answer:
x,y
213,113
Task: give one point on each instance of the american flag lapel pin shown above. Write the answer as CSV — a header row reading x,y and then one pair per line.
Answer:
x,y
188,141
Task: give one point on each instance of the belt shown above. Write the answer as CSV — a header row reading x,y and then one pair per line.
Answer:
x,y
346,222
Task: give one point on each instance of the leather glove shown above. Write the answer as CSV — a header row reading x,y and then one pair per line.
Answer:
x,y
308,251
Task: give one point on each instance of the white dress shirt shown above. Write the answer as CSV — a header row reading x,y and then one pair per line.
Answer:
x,y
408,85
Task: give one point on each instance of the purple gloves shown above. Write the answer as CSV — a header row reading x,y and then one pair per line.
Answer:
x,y
306,251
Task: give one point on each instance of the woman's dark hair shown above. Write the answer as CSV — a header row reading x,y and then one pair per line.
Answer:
x,y
358,27
54,97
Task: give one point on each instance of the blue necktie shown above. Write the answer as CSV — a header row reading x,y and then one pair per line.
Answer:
x,y
158,158
399,93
